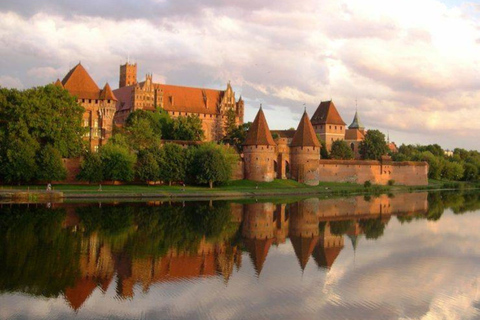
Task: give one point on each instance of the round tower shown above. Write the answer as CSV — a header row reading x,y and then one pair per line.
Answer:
x,y
305,153
259,151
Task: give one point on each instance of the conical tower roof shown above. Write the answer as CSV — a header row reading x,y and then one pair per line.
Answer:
x,y
305,135
303,248
327,113
259,133
107,93
79,83
356,124
58,83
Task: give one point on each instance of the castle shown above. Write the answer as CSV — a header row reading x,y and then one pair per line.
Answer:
x,y
100,105
106,108
293,154
211,106
296,155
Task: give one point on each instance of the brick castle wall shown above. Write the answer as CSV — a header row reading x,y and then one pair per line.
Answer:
x,y
358,171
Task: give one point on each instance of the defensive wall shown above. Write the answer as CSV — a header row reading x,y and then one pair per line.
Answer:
x,y
377,172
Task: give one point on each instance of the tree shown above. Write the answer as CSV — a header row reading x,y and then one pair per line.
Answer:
x,y
470,172
140,134
435,165
188,128
172,163
118,163
237,136
341,150
374,146
50,165
211,164
91,168
323,149
147,167
19,163
452,170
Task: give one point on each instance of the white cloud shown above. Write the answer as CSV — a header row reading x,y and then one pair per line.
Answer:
x,y
413,65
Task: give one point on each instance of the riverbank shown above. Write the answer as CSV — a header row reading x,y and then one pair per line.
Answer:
x,y
233,189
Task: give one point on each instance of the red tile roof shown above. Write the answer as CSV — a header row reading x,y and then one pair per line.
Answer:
x,y
327,113
258,249
325,257
107,93
259,133
305,134
192,100
79,83
124,97
354,134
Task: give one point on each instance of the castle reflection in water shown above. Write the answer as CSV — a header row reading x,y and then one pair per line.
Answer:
x,y
87,247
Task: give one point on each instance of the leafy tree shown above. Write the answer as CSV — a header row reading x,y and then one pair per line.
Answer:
x,y
323,148
435,165
374,146
470,172
452,171
19,163
341,150
188,128
172,163
140,134
118,162
147,167
211,163
340,227
50,165
237,136
91,168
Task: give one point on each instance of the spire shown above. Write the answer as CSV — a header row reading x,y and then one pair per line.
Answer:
x,y
258,250
259,133
305,135
107,93
356,124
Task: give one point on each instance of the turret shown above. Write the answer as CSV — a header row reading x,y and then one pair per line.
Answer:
x,y
259,151
305,153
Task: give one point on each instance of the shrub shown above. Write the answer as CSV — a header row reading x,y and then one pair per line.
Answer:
x,y
391,182
367,184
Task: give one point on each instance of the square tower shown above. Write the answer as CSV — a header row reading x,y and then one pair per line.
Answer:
x,y
128,75
328,123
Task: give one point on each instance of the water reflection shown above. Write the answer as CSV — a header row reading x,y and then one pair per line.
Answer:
x,y
71,250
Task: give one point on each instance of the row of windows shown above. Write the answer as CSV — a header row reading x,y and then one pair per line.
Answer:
x,y
90,100
330,127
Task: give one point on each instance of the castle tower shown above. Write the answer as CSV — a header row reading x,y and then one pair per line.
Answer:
x,y
128,75
354,135
305,153
328,123
259,151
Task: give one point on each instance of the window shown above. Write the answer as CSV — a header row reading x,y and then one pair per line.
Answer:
x,y
95,148
330,127
335,127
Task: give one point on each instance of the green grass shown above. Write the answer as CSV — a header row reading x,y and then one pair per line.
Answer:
x,y
239,188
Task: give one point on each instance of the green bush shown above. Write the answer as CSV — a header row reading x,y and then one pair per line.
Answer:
x,y
367,184
391,182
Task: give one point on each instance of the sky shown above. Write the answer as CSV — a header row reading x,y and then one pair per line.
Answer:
x,y
411,68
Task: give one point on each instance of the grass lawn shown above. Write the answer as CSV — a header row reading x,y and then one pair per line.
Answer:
x,y
236,188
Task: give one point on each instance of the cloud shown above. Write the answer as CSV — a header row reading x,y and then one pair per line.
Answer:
x,y
10,82
413,73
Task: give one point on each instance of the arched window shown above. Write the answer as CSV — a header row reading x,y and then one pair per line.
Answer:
x,y
352,145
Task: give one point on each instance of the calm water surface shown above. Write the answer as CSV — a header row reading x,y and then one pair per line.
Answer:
x,y
407,256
